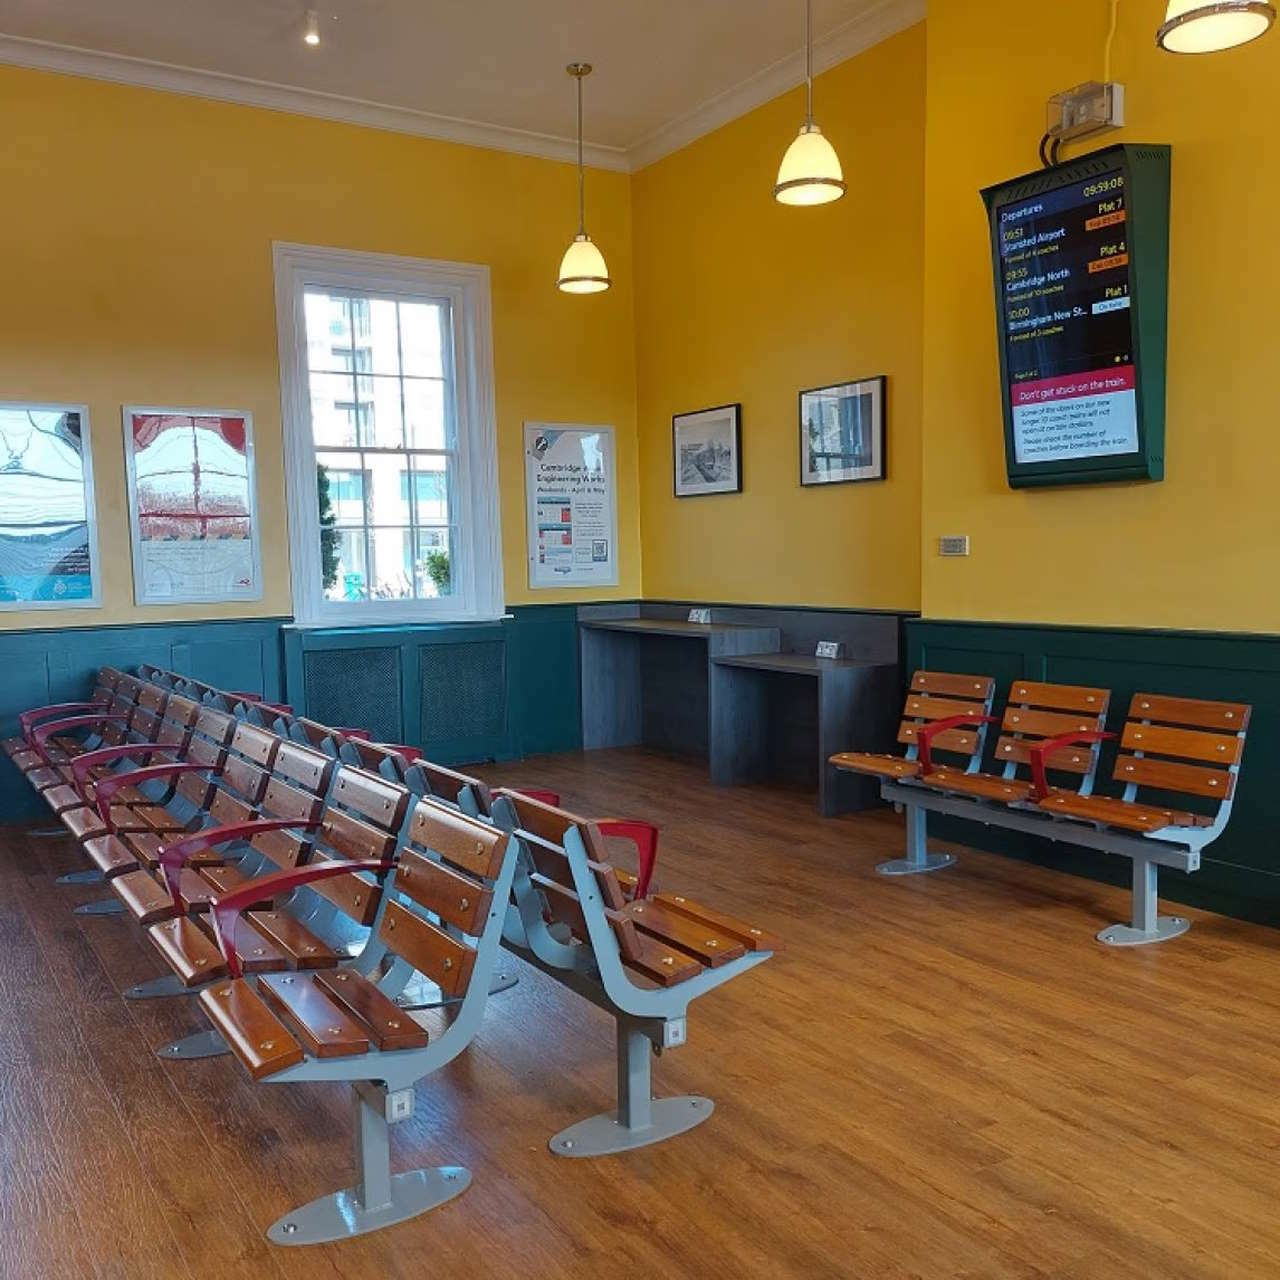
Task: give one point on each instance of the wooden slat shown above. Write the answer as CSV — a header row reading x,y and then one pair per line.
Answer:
x,y
448,784
1060,697
309,769
226,808
985,786
1166,775
1231,717
258,1038
975,688
564,906
217,726
1075,759
245,778
660,963
111,855
431,951
151,697
551,862
293,938
371,797
753,938
324,1028
1191,744
542,820
387,1025
255,743
1112,812
284,801
188,950
933,708
283,847
699,940
472,846
874,764
158,818
1046,724
353,837
144,897
181,711
356,895
963,742
454,898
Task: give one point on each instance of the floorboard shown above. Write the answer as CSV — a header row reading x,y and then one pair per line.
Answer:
x,y
940,1077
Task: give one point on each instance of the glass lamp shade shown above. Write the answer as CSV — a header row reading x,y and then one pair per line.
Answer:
x,y
1193,26
582,269
810,171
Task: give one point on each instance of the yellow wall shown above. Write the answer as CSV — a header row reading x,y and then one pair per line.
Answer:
x,y
741,299
137,230
1198,550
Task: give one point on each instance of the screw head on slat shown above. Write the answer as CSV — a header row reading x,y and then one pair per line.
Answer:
x,y
668,960
267,1045
711,942
448,963
755,932
1213,782
463,903
341,977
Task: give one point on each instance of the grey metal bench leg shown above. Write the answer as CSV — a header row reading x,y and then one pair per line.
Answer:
x,y
1147,925
91,876
918,859
380,1198
641,1119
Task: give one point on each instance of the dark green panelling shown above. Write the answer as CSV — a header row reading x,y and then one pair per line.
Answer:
x,y
59,665
542,673
1240,872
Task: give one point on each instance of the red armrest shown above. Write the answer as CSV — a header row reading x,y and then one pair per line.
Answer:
x,y
410,754
107,787
226,910
42,733
553,799
363,734
1041,749
280,708
644,835
27,718
926,734
82,764
174,856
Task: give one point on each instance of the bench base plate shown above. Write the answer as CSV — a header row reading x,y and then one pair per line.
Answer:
x,y
422,993
103,907
203,1044
1125,935
340,1216
909,867
604,1135
168,984
92,876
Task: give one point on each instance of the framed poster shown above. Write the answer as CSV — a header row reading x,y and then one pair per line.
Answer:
x,y
842,432
706,451
571,505
192,505
48,530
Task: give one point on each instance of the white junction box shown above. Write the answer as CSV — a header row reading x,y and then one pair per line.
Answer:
x,y
953,544
1089,108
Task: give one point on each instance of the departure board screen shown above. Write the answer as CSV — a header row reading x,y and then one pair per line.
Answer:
x,y
1067,322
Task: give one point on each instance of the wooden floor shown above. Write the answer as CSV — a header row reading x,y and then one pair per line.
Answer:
x,y
942,1077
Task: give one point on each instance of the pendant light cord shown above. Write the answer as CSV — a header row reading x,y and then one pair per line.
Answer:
x,y
808,62
582,199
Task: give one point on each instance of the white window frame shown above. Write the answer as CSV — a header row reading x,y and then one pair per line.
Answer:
x,y
476,561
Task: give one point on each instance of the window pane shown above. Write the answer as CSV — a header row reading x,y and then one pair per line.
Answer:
x,y
391,563
424,408
382,426
433,568
345,474
335,411
421,339
388,489
328,320
383,342
343,564
431,489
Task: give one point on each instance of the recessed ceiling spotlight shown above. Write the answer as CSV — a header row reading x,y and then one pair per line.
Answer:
x,y
311,35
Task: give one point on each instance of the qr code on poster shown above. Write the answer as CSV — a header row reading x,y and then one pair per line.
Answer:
x,y
599,550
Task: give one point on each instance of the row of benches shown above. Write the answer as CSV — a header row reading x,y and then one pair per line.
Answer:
x,y
1176,765
299,878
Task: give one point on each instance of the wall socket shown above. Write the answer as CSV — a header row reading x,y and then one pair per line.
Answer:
x,y
954,545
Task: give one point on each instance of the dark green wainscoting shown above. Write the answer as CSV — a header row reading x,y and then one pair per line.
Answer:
x,y
461,692
39,667
1240,872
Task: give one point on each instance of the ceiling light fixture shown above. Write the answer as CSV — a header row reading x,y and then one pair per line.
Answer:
x,y
810,171
1191,26
582,269
311,35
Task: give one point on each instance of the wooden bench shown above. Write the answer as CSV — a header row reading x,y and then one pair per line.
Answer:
x,y
642,960
343,1025
1177,768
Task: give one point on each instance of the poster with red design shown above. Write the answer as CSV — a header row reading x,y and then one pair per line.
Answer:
x,y
192,505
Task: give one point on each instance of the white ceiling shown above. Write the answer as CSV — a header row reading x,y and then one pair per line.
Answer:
x,y
482,71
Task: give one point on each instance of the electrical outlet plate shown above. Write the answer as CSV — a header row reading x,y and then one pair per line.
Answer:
x,y
953,545
829,649
1086,109
700,615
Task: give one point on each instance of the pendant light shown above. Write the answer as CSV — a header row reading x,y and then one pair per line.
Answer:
x,y
582,269
1192,26
810,171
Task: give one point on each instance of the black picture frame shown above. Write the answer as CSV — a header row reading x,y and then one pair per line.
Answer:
x,y
680,486
877,387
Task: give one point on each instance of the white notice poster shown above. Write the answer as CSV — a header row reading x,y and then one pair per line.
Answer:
x,y
570,500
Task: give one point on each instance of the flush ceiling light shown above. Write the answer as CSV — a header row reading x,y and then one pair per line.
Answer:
x,y
311,35
1191,26
582,269
810,171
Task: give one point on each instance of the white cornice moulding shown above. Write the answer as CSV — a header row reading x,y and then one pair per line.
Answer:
x,y
859,34
120,69
847,40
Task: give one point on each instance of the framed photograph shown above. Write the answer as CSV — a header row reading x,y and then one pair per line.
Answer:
x,y
48,534
192,505
707,451
842,432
